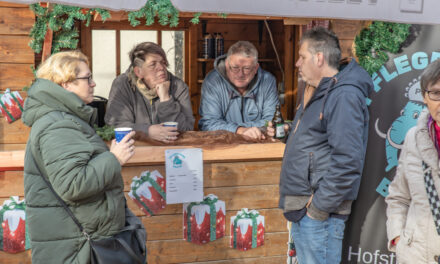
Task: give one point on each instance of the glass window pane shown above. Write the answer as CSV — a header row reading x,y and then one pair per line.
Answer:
x,y
129,39
173,43
103,60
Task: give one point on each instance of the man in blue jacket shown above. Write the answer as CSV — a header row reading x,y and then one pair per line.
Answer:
x,y
325,148
237,95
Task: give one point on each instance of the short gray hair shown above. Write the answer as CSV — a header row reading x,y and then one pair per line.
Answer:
x,y
325,41
430,76
243,48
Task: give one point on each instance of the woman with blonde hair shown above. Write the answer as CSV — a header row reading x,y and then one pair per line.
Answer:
x,y
64,153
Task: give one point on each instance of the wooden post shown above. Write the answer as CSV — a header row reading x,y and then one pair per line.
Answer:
x,y
47,44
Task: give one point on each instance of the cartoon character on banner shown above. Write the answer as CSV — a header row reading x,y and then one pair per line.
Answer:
x,y
408,118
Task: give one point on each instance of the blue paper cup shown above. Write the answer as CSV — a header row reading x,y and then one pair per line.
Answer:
x,y
170,124
120,133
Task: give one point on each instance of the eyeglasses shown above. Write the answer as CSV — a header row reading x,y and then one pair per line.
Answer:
x,y
433,95
88,78
153,66
246,70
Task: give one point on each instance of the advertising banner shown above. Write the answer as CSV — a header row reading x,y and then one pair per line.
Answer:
x,y
394,107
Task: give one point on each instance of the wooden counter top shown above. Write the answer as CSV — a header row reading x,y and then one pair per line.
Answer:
x,y
150,155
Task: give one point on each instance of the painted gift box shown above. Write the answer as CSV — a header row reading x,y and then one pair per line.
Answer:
x,y
13,235
204,221
148,192
247,230
11,105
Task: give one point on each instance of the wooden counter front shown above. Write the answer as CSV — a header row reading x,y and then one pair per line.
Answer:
x,y
242,175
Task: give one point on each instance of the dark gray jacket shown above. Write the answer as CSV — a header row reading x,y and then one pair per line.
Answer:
x,y
326,157
127,107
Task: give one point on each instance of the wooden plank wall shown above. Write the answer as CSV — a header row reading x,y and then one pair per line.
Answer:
x,y
16,59
253,185
250,184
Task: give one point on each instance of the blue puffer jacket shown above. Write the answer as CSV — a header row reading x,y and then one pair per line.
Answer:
x,y
223,108
326,157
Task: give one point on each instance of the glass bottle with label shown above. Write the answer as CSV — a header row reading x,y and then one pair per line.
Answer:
x,y
278,123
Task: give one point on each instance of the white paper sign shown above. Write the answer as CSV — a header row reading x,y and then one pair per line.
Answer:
x,y
184,170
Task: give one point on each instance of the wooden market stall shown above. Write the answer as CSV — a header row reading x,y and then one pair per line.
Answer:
x,y
244,175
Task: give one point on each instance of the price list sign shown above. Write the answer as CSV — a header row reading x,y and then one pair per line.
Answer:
x,y
184,175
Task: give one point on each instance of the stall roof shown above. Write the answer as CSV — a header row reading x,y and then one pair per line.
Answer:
x,y
403,11
114,5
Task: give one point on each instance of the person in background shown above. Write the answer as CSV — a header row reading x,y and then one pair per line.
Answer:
x,y
325,148
64,148
413,205
147,95
237,95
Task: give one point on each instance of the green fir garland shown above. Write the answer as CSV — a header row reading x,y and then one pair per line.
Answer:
x,y
61,19
166,13
373,43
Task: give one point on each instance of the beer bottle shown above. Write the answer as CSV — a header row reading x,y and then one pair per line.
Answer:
x,y
278,124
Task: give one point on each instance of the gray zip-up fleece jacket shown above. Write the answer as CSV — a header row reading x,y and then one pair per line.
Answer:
x,y
127,107
222,107
326,157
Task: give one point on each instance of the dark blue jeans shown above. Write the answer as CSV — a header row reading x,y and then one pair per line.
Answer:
x,y
318,242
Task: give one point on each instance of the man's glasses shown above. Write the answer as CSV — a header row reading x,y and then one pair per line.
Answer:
x,y
88,78
246,70
433,95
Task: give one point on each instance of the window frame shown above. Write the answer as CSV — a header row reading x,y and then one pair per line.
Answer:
x,y
86,39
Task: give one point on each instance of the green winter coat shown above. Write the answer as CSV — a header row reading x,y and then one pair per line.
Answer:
x,y
80,168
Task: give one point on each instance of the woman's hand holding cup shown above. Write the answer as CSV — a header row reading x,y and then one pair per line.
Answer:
x,y
124,149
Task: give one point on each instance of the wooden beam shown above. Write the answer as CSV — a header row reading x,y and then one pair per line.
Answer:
x,y
297,21
149,155
289,65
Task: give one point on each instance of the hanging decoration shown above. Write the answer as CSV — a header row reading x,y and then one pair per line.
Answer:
x,y
61,20
374,42
14,237
148,192
247,230
204,221
11,105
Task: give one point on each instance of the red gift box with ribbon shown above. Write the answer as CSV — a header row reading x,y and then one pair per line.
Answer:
x,y
11,105
148,192
204,221
13,235
247,230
